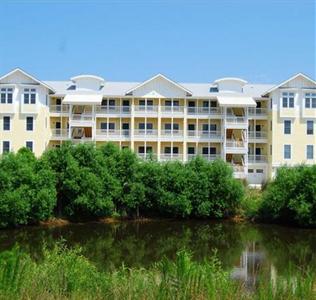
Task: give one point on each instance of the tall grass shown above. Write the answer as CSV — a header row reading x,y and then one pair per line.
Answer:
x,y
66,274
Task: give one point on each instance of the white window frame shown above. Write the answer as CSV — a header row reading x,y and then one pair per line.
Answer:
x,y
307,127
6,91
311,147
32,144
287,96
312,100
10,146
6,130
29,91
284,122
33,124
285,158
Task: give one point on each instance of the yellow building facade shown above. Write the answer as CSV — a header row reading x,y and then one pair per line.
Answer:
x,y
255,127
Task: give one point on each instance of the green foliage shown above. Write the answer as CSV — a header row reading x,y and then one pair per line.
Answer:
x,y
66,274
291,197
85,182
27,189
251,203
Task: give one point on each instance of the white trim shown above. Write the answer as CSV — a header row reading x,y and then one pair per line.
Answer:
x,y
28,75
86,76
288,80
291,151
231,79
155,77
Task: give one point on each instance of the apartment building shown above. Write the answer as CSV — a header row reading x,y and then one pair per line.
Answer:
x,y
255,127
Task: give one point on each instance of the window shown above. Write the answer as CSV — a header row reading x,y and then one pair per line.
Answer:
x,y
287,152
168,103
105,126
205,127
310,152
213,104
29,145
288,100
5,146
212,150
213,127
287,127
175,150
6,95
6,123
191,127
213,89
310,127
191,150
310,100
259,171
141,149
250,171
29,96
29,123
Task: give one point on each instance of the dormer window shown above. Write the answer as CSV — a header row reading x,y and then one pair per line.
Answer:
x,y
6,95
29,96
287,100
214,89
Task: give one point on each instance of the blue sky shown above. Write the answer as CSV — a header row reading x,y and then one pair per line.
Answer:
x,y
188,41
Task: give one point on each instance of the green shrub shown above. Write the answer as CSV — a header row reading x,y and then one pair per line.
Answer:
x,y
291,197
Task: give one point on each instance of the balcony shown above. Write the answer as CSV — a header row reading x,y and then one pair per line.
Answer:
x,y
239,171
59,134
114,110
84,139
145,134
236,121
257,159
198,110
171,156
59,109
204,135
259,136
174,110
257,112
84,119
209,157
235,146
103,134
171,134
143,109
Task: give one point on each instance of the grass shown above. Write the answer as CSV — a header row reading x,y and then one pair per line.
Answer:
x,y
66,274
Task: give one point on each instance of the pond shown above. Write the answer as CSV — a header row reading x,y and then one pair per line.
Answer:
x,y
250,252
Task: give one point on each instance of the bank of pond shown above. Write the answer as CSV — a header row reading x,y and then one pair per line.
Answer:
x,y
175,259
84,182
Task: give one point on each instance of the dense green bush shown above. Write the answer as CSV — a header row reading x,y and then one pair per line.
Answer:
x,y
86,182
291,197
27,189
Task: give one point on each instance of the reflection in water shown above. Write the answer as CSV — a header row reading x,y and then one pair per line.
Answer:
x,y
251,252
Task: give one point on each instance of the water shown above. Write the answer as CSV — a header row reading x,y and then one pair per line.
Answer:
x,y
250,252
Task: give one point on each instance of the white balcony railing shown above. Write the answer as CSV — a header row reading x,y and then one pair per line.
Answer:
x,y
172,109
171,133
64,108
81,117
257,158
114,133
235,144
203,134
236,120
198,110
145,132
257,135
253,111
112,109
171,156
60,133
146,109
209,157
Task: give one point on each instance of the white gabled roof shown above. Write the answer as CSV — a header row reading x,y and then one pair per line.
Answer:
x,y
288,80
27,75
155,77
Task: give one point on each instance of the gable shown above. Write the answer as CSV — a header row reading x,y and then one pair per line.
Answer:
x,y
17,77
159,87
299,82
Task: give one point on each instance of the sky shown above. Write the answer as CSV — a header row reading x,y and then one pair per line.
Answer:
x,y
261,41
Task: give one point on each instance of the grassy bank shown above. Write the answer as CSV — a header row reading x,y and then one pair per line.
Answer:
x,y
65,274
